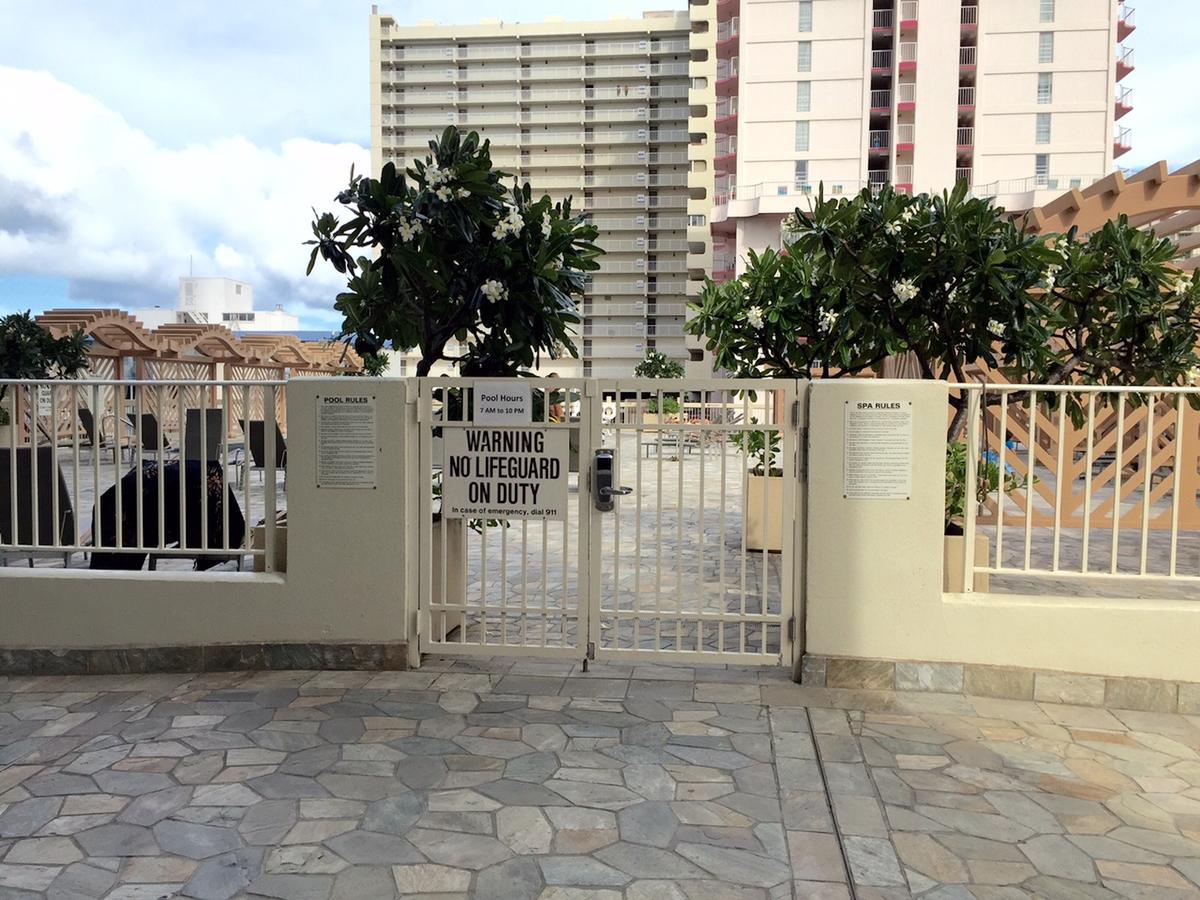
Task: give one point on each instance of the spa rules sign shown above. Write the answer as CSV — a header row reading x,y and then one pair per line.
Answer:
x,y
505,473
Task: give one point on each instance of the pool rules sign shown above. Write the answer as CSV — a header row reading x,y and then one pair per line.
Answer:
x,y
505,473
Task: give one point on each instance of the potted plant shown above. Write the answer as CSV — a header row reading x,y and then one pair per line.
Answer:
x,y
29,351
445,258
987,484
763,507
669,412
658,365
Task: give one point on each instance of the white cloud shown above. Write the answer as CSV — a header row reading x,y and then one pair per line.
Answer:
x,y
87,197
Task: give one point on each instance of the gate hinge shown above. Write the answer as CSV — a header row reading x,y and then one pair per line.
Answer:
x,y
591,650
802,453
795,412
791,629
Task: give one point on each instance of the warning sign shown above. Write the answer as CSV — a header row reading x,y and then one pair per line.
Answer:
x,y
505,473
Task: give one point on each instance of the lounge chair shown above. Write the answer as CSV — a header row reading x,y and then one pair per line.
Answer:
x,y
95,438
49,532
257,439
214,424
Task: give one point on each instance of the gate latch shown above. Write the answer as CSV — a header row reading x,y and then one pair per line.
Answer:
x,y
602,481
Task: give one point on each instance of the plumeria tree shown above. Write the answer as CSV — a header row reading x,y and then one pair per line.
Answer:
x,y
27,350
950,281
445,258
658,365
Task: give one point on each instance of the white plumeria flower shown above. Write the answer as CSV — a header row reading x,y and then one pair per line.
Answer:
x,y
554,264
1183,283
444,194
828,318
1193,376
905,289
754,315
409,229
435,176
995,326
546,222
908,213
892,229
494,290
460,193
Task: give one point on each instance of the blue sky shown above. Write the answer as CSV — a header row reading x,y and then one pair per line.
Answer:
x,y
137,136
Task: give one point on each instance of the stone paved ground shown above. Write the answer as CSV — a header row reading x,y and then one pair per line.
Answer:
x,y
527,779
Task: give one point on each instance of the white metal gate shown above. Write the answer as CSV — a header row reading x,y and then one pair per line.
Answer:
x,y
697,563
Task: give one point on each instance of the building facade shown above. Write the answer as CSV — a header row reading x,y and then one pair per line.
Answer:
x,y
218,301
1021,98
599,111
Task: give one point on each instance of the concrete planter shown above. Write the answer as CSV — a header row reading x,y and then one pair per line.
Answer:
x,y
952,567
764,523
455,589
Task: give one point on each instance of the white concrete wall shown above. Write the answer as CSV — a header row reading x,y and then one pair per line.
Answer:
x,y
875,574
345,580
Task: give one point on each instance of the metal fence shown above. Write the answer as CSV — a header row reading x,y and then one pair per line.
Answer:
x,y
1091,484
130,473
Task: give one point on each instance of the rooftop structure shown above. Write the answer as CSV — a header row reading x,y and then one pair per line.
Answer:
x,y
218,301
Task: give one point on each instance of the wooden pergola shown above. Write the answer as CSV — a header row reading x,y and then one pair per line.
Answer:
x,y
1155,197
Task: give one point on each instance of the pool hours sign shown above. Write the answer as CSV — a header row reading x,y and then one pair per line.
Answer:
x,y
505,473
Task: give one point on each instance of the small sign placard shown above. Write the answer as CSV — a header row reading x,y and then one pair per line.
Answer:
x,y
505,473
503,403
346,441
878,450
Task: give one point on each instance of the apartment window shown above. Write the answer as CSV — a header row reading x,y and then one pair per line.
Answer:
x,y
1047,11
803,96
804,56
1041,169
1043,128
805,15
1045,90
802,136
801,172
1046,47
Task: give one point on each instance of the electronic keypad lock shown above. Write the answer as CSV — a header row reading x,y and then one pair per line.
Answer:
x,y
603,472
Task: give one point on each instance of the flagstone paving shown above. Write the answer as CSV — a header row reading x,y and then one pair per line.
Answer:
x,y
507,778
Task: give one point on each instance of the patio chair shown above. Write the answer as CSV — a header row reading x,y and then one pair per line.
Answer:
x,y
151,434
49,532
257,439
214,423
95,438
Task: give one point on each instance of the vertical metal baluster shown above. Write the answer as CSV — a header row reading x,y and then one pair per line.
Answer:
x,y
56,539
1087,480
504,582
616,592
768,458
97,421
225,401
1116,513
181,404
1059,477
205,462
31,404
524,582
566,548
1147,482
680,437
75,497
118,405
662,415
726,412
140,489
162,452
639,426
247,404
746,504
1002,493
1030,463
1177,484
703,447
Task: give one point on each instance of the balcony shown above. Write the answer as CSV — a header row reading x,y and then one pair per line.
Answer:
x,y
726,114
727,76
876,179
908,56
881,62
882,21
904,178
1122,142
966,57
727,36
1125,23
908,15
969,18
966,140
966,98
1124,102
1124,61
906,96
723,266
725,153
881,102
879,142
905,138
964,173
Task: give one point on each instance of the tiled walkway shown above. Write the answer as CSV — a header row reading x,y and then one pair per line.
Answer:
x,y
494,779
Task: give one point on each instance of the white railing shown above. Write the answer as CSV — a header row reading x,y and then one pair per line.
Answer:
x,y
881,99
906,133
556,49
882,18
1033,183
726,145
832,187
637,288
963,174
1125,96
1123,137
966,56
727,68
877,178
908,10
966,96
1125,55
881,59
727,30
1091,482
1125,14
966,137
723,262
176,484
879,140
904,174
969,15
726,107
906,92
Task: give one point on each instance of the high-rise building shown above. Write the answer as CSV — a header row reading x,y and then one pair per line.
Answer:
x,y
1020,98
599,111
